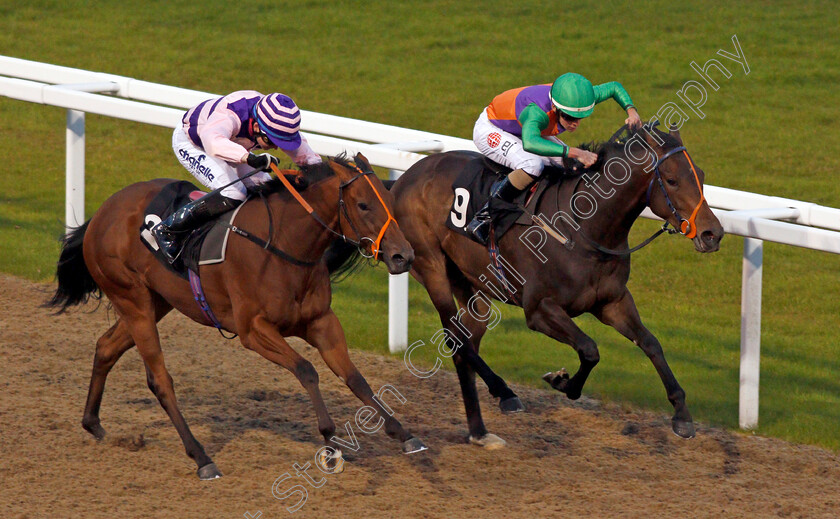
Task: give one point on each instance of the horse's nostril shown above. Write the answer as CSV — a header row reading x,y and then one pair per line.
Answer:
x,y
398,259
708,236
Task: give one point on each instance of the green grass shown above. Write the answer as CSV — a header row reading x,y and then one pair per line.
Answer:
x,y
434,66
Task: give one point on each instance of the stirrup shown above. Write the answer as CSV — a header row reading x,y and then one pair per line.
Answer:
x,y
168,243
480,229
479,226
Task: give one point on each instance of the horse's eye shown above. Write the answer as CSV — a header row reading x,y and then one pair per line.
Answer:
x,y
362,206
671,181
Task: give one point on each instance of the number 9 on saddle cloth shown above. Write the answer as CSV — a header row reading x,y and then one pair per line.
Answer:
x,y
472,191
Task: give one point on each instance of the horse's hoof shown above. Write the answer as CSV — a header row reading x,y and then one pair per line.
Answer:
x,y
557,379
683,429
331,463
489,441
511,405
209,471
412,445
95,429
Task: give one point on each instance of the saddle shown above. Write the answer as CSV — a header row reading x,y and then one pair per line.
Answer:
x,y
472,191
205,245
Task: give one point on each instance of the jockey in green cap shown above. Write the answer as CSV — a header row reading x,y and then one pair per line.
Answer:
x,y
519,128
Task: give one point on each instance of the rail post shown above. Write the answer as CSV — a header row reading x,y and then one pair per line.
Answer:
x,y
750,332
397,303
74,206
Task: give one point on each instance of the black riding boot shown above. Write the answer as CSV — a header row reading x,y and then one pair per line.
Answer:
x,y
169,234
480,224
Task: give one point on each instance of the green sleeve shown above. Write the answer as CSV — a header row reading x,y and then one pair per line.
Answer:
x,y
534,121
613,90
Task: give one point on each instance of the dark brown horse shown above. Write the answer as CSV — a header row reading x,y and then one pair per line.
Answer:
x,y
258,295
554,283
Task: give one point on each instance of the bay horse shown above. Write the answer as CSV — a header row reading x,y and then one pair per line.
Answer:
x,y
554,282
260,296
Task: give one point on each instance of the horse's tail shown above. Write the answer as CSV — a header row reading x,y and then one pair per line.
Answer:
x,y
75,284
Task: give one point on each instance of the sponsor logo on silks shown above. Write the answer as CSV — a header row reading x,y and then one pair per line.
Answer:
x,y
196,166
494,139
506,147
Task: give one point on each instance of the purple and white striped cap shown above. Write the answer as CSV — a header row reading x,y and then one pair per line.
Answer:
x,y
279,117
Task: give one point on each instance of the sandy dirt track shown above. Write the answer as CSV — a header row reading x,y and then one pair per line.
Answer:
x,y
564,459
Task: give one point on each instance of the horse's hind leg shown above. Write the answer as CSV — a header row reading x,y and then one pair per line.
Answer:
x,y
466,375
326,334
138,309
432,274
624,317
109,348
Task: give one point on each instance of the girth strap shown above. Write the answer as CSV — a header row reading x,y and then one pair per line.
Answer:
x,y
493,250
198,295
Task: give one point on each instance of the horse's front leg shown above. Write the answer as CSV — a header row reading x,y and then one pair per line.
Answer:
x,y
622,315
326,334
549,318
264,338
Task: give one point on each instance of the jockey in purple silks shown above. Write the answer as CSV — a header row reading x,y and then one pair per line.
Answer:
x,y
214,143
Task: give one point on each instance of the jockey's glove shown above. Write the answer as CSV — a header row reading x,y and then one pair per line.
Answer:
x,y
262,162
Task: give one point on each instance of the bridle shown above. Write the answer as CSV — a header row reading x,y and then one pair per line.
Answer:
x,y
374,248
688,227
374,244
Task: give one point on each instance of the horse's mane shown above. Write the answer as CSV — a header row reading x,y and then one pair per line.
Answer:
x,y
342,259
605,150
615,144
310,174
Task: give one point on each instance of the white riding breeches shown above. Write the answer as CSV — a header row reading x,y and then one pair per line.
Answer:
x,y
506,148
212,172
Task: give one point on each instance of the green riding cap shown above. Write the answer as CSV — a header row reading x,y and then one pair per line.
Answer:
x,y
579,102
573,95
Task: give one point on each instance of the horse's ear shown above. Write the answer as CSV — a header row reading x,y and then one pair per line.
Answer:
x,y
674,131
362,162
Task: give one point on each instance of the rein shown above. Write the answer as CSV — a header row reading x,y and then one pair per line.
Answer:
x,y
289,187
266,245
627,252
687,226
613,252
374,244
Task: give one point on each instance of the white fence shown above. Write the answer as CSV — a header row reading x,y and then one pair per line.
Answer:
x,y
756,217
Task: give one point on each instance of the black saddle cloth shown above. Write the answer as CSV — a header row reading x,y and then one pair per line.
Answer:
x,y
170,198
472,191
